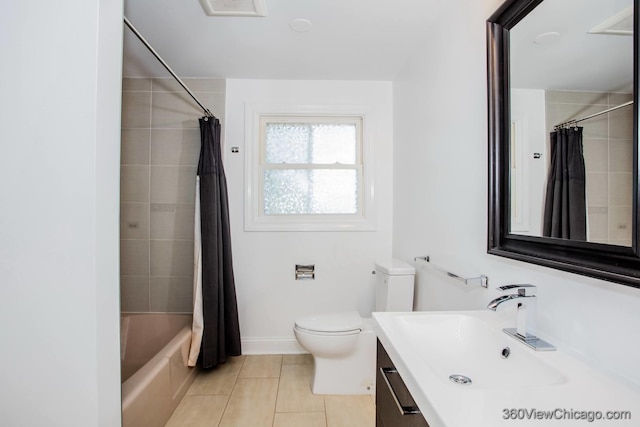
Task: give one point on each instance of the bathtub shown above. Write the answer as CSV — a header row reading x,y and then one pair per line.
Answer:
x,y
153,352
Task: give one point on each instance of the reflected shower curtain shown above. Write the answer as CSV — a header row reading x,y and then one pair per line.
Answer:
x,y
565,213
215,330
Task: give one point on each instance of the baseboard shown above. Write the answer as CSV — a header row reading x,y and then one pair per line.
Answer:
x,y
271,345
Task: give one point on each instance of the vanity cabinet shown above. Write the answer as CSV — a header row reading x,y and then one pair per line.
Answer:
x,y
394,405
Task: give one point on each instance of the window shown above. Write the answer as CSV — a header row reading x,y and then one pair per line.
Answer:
x,y
308,173
310,165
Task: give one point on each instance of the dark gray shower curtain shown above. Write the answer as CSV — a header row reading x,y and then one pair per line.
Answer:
x,y
221,335
565,213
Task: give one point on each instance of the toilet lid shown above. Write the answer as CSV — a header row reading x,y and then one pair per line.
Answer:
x,y
331,322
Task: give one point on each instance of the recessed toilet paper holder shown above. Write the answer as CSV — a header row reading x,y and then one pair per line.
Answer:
x,y
305,272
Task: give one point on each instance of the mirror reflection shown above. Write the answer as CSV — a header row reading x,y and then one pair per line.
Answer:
x,y
571,92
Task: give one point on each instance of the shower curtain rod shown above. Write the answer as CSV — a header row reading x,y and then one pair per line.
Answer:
x,y
175,76
575,121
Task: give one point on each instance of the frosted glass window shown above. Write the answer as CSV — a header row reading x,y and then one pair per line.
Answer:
x,y
310,143
304,192
311,165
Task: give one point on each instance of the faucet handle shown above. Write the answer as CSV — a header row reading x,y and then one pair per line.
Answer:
x,y
523,289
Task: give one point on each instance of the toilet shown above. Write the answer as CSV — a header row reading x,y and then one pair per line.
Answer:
x,y
343,344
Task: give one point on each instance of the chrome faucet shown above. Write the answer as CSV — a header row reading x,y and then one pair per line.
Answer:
x,y
526,306
526,311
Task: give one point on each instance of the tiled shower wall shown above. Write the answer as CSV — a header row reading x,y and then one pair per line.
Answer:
x,y
160,149
608,152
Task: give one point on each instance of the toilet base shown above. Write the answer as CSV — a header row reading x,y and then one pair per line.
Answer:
x,y
353,374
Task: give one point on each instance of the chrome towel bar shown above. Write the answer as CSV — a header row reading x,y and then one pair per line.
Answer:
x,y
481,280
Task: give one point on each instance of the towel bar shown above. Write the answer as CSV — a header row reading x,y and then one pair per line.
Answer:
x,y
481,280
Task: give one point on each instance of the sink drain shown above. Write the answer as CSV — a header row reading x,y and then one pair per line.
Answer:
x,y
505,352
460,379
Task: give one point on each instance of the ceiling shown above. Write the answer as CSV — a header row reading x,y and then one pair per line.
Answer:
x,y
367,40
575,59
349,39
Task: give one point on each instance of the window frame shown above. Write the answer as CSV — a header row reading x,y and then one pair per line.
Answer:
x,y
256,220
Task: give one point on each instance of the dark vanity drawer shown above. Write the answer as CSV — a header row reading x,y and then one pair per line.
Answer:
x,y
394,405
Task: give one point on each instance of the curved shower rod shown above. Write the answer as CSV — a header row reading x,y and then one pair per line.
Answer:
x,y
133,29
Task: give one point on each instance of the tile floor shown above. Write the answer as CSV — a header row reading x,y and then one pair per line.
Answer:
x,y
269,391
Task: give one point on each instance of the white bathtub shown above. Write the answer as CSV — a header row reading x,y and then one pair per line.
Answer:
x,y
155,376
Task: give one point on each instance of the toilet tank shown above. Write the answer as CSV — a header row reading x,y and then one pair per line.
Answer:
x,y
394,285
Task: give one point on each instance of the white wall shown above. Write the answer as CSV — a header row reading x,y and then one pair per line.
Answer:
x,y
440,194
528,111
269,299
59,169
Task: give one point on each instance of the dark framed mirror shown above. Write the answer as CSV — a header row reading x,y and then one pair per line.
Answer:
x,y
563,136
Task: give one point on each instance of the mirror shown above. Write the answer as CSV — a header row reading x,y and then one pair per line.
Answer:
x,y
545,92
563,169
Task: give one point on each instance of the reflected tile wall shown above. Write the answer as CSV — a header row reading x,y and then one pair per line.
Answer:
x,y
159,156
608,152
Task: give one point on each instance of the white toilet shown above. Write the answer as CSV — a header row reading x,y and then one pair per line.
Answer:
x,y
343,345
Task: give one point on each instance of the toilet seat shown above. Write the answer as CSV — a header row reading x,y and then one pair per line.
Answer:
x,y
343,323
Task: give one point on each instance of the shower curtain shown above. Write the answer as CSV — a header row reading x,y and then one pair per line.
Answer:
x,y
215,331
565,213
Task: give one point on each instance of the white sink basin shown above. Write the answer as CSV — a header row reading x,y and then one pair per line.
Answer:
x,y
464,344
428,347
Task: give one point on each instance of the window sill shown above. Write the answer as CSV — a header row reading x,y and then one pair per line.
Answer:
x,y
297,223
